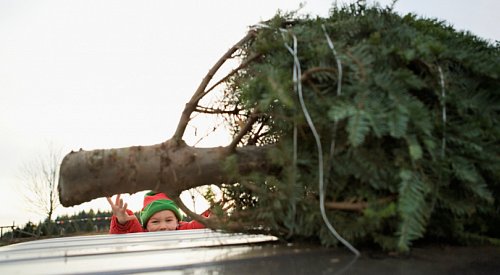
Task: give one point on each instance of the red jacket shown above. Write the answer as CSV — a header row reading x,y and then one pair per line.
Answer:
x,y
134,226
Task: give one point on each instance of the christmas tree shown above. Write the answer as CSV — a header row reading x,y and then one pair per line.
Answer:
x,y
390,122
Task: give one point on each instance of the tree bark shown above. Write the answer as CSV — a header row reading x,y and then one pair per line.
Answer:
x,y
169,167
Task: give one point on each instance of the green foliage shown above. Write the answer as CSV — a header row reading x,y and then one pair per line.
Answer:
x,y
412,209
415,130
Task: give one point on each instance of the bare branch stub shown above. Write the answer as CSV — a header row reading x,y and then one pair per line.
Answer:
x,y
207,110
357,206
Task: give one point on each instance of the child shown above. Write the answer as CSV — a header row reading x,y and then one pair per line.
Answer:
x,y
159,213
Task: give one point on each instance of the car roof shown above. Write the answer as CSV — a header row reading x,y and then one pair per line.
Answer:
x,y
204,251
122,253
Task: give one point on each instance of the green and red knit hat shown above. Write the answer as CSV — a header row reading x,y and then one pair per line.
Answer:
x,y
155,202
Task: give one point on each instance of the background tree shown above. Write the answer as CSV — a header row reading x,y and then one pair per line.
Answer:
x,y
39,178
380,124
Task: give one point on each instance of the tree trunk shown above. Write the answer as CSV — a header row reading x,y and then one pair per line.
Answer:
x,y
169,167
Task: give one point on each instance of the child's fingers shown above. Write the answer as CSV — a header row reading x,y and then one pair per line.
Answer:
x,y
117,199
110,201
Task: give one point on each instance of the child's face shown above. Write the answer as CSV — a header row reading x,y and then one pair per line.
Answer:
x,y
161,221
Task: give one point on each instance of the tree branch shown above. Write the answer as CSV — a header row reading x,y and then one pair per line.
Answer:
x,y
241,66
307,74
356,206
247,127
253,140
200,91
208,222
347,206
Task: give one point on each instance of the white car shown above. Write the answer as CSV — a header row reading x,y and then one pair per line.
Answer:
x,y
204,251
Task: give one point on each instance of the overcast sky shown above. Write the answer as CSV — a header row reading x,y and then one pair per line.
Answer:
x,y
97,74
